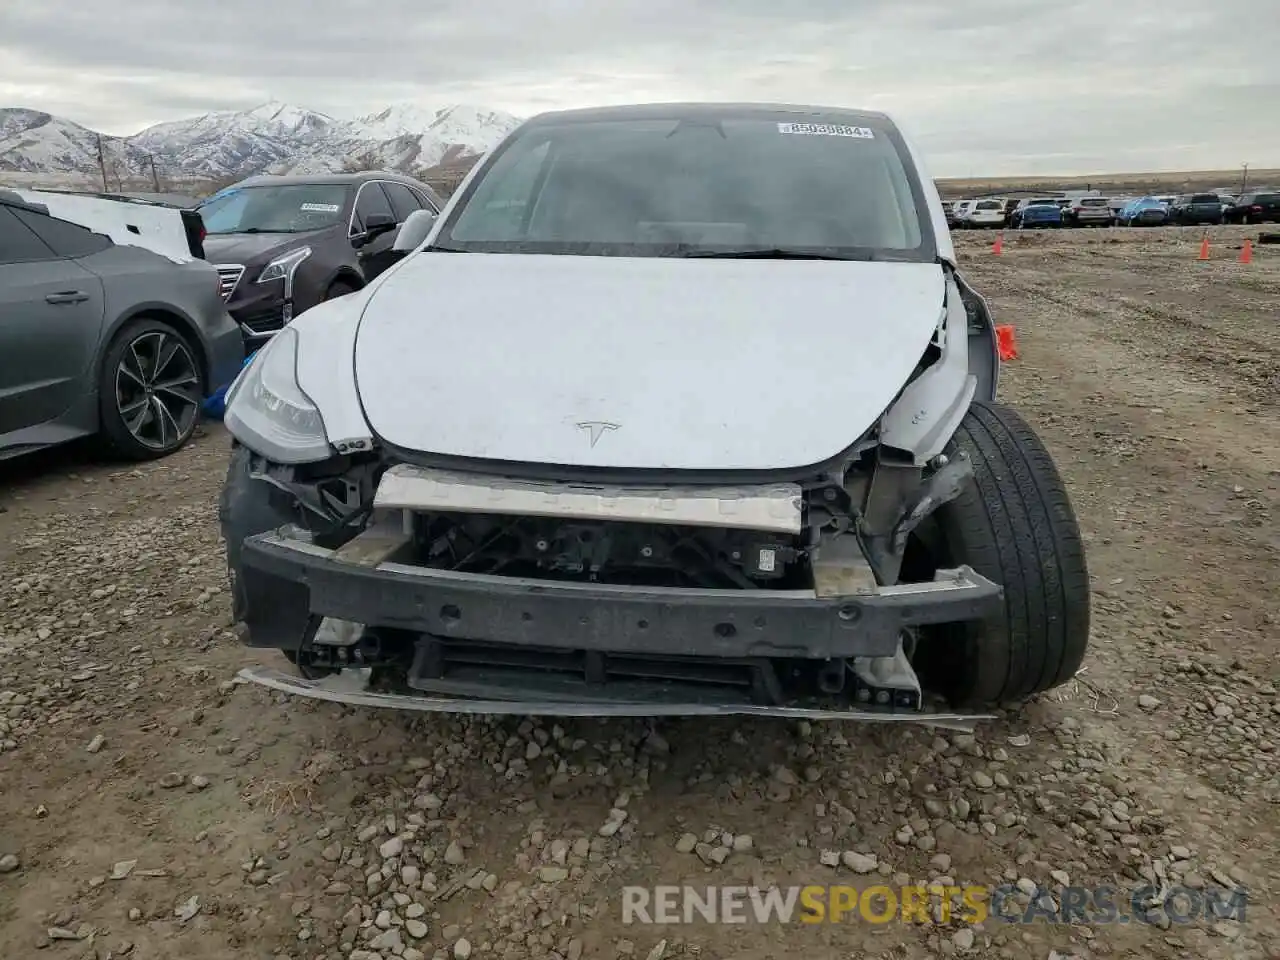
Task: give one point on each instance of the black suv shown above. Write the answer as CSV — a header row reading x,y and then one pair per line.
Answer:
x,y
1196,208
283,244
1257,207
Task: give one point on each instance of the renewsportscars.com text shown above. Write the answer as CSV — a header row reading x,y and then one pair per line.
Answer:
x,y
928,904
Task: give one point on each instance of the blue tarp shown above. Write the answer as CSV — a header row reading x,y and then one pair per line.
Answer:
x,y
216,405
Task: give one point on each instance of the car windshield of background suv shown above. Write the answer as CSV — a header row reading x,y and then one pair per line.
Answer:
x,y
668,187
293,208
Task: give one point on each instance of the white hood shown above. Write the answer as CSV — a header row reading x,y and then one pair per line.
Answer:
x,y
682,364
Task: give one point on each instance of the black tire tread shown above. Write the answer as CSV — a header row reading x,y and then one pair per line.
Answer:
x,y
1015,524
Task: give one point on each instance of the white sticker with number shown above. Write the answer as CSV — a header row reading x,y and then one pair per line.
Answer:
x,y
320,208
827,130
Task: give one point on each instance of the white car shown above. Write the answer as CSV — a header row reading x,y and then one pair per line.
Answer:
x,y
675,409
962,211
986,213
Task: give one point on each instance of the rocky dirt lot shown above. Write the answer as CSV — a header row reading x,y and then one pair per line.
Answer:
x,y
151,806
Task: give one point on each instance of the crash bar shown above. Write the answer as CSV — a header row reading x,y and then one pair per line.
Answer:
x,y
774,507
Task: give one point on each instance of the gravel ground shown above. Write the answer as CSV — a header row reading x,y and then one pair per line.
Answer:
x,y
151,806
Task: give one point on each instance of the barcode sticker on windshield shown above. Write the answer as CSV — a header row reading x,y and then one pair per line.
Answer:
x,y
320,208
827,130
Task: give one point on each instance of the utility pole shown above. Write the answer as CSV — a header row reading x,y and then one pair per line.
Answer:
x,y
102,165
155,177
1244,179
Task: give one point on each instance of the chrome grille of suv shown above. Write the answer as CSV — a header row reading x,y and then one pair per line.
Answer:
x,y
228,276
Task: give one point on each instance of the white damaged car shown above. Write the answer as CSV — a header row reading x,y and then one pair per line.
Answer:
x,y
675,409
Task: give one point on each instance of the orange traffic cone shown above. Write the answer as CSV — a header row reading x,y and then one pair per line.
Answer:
x,y
1246,252
1204,247
997,248
1005,342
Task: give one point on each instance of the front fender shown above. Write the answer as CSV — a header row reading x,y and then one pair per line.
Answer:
x,y
326,368
984,349
930,408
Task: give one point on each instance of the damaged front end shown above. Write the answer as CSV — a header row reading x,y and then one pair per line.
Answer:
x,y
390,578
572,597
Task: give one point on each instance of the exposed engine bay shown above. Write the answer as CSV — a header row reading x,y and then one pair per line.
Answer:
x,y
851,541
864,517
607,552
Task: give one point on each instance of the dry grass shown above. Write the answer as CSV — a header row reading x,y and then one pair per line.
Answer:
x,y
1118,183
278,796
445,179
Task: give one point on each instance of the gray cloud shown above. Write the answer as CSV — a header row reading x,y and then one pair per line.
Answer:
x,y
987,86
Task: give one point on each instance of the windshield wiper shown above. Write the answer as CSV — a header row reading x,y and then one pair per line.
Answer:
x,y
248,230
773,253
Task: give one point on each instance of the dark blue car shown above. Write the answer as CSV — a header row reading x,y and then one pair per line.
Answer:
x,y
1144,212
1040,215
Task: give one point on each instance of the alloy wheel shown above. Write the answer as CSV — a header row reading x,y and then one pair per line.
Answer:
x,y
158,390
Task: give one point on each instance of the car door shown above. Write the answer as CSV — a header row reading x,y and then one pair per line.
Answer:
x,y
51,315
371,254
403,200
425,202
376,255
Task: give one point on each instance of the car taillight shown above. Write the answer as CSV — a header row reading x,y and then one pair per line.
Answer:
x,y
1256,208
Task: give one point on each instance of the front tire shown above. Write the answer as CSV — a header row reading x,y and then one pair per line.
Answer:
x,y
1014,524
339,288
149,391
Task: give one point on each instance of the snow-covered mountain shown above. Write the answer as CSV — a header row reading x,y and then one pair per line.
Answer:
x,y
273,137
35,142
405,136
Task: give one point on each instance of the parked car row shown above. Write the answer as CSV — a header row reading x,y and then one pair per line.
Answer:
x,y
1194,209
121,315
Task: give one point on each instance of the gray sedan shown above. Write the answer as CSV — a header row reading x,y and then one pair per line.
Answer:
x,y
103,338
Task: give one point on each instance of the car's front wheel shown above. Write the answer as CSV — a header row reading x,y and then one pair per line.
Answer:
x,y
339,288
1013,524
150,390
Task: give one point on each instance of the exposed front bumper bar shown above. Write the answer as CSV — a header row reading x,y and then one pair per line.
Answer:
x,y
775,507
614,618
352,687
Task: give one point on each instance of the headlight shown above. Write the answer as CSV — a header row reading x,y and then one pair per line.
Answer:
x,y
267,410
282,267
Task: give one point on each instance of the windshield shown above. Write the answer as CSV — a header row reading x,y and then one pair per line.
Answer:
x,y
1093,203
990,205
695,186
292,208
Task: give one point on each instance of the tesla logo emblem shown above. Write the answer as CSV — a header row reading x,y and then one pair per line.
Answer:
x,y
596,429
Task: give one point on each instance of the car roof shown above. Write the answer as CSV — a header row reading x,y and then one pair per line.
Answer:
x,y
9,198
344,179
340,179
694,110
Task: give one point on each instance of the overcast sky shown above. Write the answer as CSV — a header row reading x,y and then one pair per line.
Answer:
x,y
988,87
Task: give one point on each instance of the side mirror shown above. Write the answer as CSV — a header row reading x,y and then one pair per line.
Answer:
x,y
375,225
415,229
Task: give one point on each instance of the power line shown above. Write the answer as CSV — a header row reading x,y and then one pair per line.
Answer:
x,y
102,165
